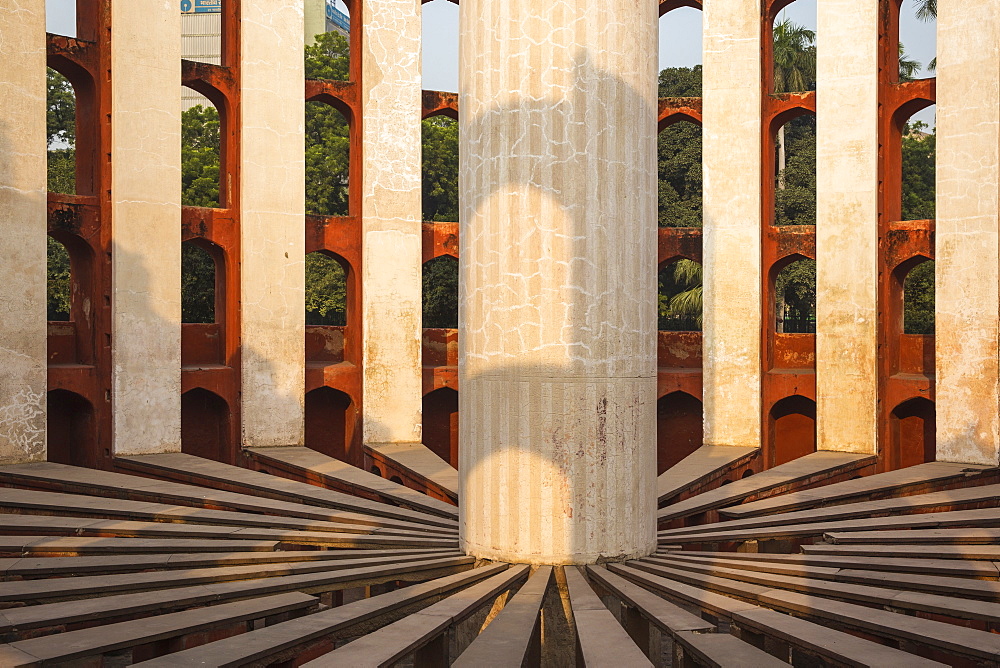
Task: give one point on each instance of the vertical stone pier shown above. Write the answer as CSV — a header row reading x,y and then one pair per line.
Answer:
x,y
847,187
23,219
967,315
557,364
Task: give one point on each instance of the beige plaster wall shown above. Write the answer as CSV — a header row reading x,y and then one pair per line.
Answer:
x,y
391,216
847,226
146,224
23,220
273,223
732,225
314,19
967,227
558,288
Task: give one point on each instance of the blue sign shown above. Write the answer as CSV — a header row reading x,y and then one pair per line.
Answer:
x,y
337,17
201,6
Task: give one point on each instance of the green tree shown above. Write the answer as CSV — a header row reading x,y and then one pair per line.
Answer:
x,y
200,138
60,122
918,299
327,171
919,180
326,291
795,297
908,68
197,284
439,138
440,278
927,11
794,57
59,286
328,140
681,297
679,190
795,198
794,70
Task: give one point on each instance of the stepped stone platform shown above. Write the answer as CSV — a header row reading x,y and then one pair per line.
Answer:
x,y
179,561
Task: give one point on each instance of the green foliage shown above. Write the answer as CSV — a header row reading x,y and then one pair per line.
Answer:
x,y
200,156
327,160
197,284
60,119
679,155
795,196
681,297
918,299
680,82
59,287
62,171
795,297
328,57
908,68
60,125
794,57
326,291
441,292
919,154
679,170
440,169
328,141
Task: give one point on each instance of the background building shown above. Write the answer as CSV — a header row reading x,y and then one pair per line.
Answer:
x,y
201,32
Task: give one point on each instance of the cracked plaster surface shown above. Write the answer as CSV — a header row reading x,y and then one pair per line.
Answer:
x,y
272,223
391,221
146,221
847,227
557,311
967,233
732,223
23,353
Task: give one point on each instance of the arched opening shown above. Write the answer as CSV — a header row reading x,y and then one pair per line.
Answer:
x,y
376,471
680,297
439,66
679,428
328,160
71,429
61,128
680,43
792,429
439,169
59,282
201,143
679,167
198,284
396,479
795,172
917,39
326,290
60,17
918,299
205,425
441,424
440,281
327,414
912,434
795,297
918,166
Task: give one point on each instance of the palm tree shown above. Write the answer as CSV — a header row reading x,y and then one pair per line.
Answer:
x,y
908,68
688,303
794,70
927,11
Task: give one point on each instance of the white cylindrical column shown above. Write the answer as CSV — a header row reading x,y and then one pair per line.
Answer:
x,y
558,281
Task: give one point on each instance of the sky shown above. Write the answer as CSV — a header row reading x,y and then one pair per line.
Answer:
x,y
680,38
